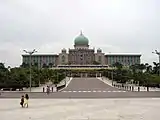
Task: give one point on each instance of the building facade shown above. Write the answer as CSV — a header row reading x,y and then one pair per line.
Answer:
x,y
40,60
123,58
81,54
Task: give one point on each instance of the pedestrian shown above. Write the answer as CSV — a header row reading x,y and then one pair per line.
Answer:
x,y
52,89
48,90
147,88
138,88
26,100
22,101
43,89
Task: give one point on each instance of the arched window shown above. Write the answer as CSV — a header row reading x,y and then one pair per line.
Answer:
x,y
99,59
63,59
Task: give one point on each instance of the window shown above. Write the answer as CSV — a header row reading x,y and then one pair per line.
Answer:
x,y
63,58
99,58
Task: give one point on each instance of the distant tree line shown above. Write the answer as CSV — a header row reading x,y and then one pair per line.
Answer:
x,y
142,74
18,77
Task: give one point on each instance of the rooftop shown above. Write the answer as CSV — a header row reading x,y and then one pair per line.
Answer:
x,y
46,54
139,54
38,54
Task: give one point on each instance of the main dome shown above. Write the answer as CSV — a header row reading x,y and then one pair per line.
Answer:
x,y
81,40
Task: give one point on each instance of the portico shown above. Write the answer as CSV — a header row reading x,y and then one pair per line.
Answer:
x,y
84,74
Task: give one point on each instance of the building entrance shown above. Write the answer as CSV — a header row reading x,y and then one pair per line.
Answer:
x,y
85,74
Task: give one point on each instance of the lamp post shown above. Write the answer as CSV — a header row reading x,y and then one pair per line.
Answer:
x,y
30,77
65,77
112,77
158,53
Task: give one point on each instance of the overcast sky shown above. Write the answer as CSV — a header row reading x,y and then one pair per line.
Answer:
x,y
50,25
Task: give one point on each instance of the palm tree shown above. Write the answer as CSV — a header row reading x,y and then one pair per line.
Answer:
x,y
2,67
148,68
142,67
138,68
156,68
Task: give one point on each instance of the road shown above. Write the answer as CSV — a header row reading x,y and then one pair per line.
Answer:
x,y
86,88
89,85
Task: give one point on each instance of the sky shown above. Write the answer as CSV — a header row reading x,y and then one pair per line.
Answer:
x,y
115,26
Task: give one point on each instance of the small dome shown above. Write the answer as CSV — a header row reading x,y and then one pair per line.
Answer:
x,y
63,50
99,50
81,40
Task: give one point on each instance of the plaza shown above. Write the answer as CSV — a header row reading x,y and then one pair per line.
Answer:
x,y
80,60
82,99
81,109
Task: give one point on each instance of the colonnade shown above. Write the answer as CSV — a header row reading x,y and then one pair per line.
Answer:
x,y
85,74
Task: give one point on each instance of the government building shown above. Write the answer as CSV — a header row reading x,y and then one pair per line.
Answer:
x,y
81,55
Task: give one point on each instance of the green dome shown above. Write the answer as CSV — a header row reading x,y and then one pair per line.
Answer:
x,y
81,40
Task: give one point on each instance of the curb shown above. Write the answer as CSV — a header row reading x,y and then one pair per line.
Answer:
x,y
66,84
135,90
104,82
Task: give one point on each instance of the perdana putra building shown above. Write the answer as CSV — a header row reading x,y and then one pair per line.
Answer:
x,y
81,55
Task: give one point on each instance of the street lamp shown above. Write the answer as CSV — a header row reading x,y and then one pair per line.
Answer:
x,y
112,77
158,53
65,77
30,54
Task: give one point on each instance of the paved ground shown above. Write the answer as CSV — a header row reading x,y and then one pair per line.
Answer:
x,y
85,95
89,85
86,88
120,106
142,88
81,109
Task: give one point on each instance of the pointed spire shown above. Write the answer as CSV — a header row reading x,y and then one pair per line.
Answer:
x,y
81,32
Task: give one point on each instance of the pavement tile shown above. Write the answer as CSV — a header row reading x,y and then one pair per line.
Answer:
x,y
78,109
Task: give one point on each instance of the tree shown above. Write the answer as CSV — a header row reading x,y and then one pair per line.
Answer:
x,y
118,65
44,65
133,68
24,65
148,68
137,68
2,67
141,67
35,65
50,65
156,68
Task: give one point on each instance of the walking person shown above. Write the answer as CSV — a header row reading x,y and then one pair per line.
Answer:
x,y
26,100
48,90
43,89
22,101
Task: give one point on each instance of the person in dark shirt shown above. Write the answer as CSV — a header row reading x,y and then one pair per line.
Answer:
x,y
48,90
22,101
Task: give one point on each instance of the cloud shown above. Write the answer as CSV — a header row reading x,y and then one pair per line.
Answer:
x,y
48,26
